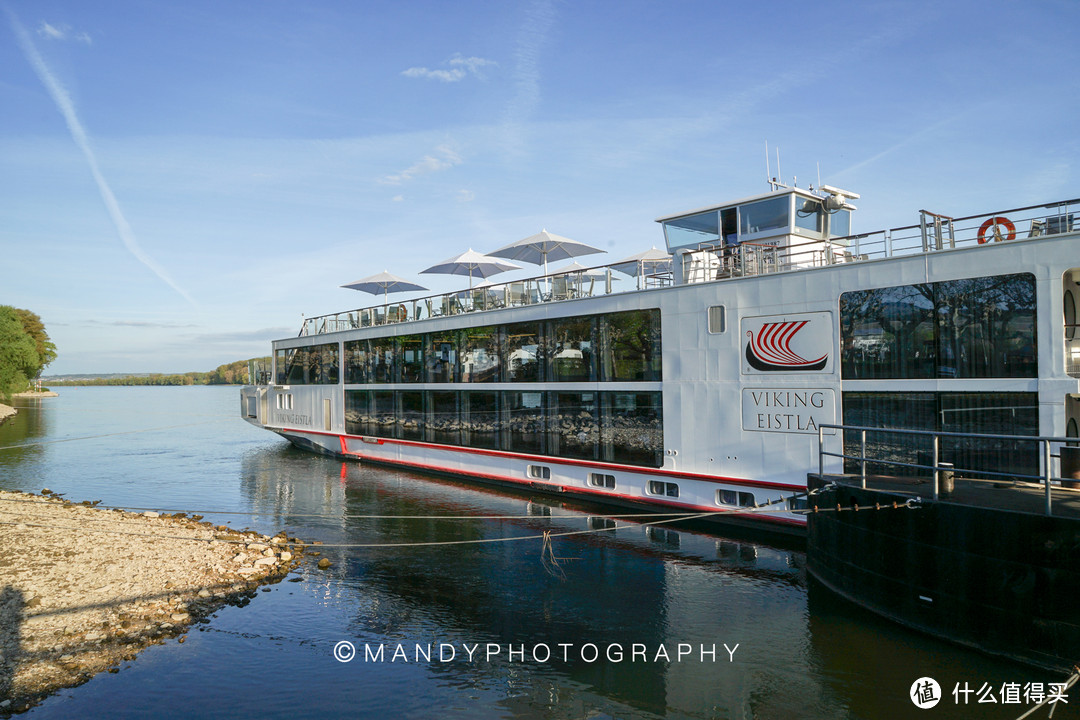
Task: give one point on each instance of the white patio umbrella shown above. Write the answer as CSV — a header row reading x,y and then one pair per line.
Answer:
x,y
543,246
473,264
576,267
384,283
650,262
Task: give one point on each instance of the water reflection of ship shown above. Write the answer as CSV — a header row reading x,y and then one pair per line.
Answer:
x,y
656,585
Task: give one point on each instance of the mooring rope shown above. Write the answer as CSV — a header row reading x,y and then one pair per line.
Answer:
x,y
570,533
1068,684
105,435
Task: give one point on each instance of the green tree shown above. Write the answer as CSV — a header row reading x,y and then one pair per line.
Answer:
x,y
19,360
44,347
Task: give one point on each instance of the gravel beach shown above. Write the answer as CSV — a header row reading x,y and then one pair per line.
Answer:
x,y
83,589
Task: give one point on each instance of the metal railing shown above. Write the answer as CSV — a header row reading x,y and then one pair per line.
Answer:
x,y
937,467
711,262
590,282
934,233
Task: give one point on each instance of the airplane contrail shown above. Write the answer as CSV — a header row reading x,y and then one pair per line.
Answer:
x,y
78,133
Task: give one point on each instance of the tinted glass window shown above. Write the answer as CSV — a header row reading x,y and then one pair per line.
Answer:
x,y
632,345
522,353
971,328
573,349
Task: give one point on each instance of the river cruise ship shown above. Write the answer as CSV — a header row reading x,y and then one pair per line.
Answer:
x,y
701,383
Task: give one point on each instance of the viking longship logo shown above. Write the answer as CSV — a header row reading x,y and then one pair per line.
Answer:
x,y
770,349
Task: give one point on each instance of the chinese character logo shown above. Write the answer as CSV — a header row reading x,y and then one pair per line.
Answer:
x,y
925,693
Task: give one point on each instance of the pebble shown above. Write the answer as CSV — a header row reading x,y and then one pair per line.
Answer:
x,y
323,564
266,561
204,593
151,514
180,617
286,556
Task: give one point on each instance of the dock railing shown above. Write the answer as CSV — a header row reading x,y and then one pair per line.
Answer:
x,y
942,474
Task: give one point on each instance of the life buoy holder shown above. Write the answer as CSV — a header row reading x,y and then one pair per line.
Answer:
x,y
996,235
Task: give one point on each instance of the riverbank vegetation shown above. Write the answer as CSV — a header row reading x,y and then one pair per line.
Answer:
x,y
25,349
235,373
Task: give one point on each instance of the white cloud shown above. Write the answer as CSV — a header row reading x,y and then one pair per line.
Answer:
x,y
446,158
48,31
466,196
62,32
460,68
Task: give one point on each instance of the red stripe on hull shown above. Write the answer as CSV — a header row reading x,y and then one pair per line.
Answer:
x,y
562,461
556,488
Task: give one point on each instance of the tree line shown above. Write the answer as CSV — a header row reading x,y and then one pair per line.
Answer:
x,y
234,373
25,349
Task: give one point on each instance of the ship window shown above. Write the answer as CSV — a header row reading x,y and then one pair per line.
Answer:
x,y
971,328
632,428
357,412
573,349
356,361
522,353
575,425
840,223
735,498
480,419
312,365
443,426
666,489
524,430
442,357
479,354
381,360
409,358
411,417
766,216
717,319
693,231
631,345
986,413
539,472
602,480
809,217
385,417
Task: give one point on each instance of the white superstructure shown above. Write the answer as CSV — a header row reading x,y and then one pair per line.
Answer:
x,y
700,385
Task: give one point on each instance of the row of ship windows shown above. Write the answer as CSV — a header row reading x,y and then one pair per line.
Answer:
x,y
617,347
658,488
611,426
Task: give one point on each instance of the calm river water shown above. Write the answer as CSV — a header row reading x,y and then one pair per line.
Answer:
x,y
799,652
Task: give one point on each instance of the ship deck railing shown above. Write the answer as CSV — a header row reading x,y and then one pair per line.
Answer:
x,y
935,232
957,467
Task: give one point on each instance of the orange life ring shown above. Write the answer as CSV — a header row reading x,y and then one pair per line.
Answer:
x,y
999,220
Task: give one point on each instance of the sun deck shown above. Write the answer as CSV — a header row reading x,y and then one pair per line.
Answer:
x,y
717,256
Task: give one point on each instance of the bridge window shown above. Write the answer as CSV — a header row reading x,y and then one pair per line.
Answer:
x,y
764,217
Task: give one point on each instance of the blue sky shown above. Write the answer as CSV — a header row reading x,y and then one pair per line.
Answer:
x,y
179,182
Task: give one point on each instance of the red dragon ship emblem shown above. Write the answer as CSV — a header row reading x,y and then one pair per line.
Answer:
x,y
770,350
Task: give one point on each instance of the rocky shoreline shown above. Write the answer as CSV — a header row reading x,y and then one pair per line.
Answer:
x,y
6,411
83,589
